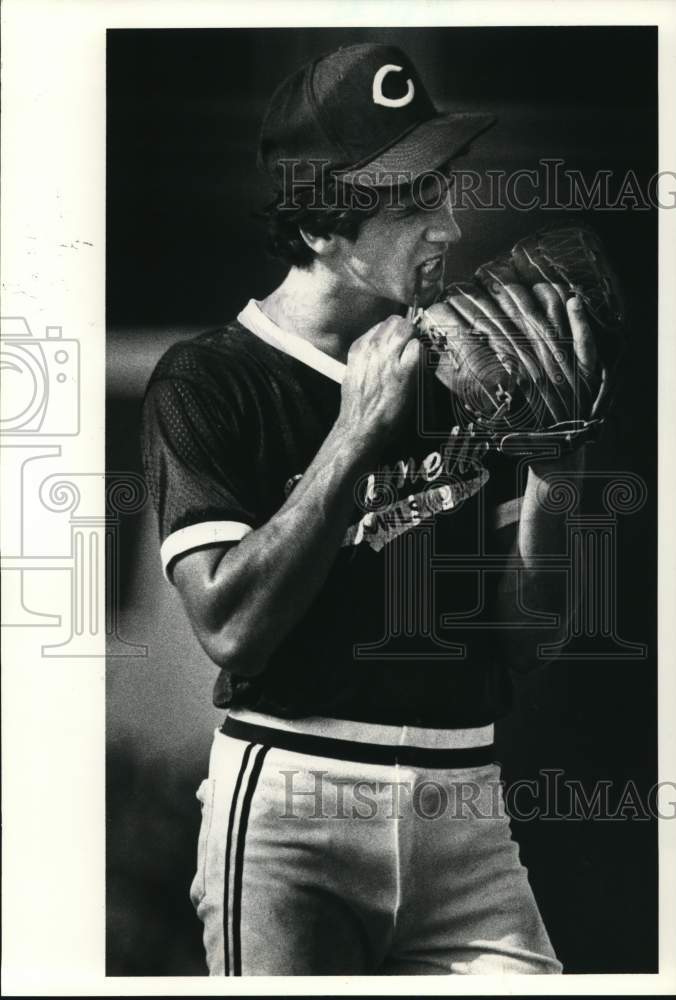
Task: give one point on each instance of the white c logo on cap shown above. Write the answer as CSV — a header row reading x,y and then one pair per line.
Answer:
x,y
391,102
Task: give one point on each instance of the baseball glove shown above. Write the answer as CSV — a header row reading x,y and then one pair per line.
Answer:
x,y
529,348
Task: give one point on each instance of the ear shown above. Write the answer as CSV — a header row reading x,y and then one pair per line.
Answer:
x,y
323,246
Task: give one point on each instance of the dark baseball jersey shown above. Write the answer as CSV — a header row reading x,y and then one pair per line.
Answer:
x,y
400,633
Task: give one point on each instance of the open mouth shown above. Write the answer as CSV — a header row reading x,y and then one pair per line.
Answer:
x,y
432,269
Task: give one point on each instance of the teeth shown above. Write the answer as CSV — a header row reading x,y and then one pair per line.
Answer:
x,y
429,265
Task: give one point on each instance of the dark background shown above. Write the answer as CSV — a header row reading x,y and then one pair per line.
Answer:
x,y
186,251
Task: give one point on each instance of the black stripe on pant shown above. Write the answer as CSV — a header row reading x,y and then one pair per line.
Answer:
x,y
235,968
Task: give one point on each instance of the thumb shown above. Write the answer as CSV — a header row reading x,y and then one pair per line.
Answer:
x,y
410,356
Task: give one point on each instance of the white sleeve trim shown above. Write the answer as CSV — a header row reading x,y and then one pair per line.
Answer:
x,y
196,535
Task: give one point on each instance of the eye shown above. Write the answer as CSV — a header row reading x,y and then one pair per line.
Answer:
x,y
440,184
404,211
429,197
434,192
401,208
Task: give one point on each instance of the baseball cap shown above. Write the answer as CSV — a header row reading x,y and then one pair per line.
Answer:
x,y
363,113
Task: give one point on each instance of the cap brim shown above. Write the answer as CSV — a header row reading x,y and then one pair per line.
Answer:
x,y
425,148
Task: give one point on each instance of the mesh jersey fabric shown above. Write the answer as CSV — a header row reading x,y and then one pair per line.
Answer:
x,y
229,425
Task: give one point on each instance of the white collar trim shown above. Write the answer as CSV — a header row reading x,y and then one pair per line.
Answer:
x,y
255,320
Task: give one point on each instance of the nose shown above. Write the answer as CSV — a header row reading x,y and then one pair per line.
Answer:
x,y
443,228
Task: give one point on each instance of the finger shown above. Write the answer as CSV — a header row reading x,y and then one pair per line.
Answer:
x,y
385,330
400,332
552,301
583,337
557,332
560,385
482,314
393,328
488,380
507,318
507,340
410,356
524,315
547,331
466,364
502,369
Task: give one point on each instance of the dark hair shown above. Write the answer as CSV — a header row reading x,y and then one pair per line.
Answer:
x,y
327,209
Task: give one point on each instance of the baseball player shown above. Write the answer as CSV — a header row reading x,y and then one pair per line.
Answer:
x,y
314,486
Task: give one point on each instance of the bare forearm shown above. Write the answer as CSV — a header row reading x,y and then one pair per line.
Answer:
x,y
263,586
242,601
531,585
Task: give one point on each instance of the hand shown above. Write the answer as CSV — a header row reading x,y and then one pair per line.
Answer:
x,y
381,370
501,335
550,335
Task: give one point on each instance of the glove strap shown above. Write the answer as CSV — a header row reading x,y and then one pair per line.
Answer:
x,y
569,435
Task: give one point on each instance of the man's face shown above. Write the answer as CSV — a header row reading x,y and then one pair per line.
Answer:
x,y
399,252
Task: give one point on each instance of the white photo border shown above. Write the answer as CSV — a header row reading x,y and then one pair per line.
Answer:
x,y
53,273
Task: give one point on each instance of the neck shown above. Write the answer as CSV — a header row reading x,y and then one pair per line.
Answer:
x,y
315,304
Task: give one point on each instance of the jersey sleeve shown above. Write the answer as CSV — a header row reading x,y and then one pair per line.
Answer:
x,y
197,465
